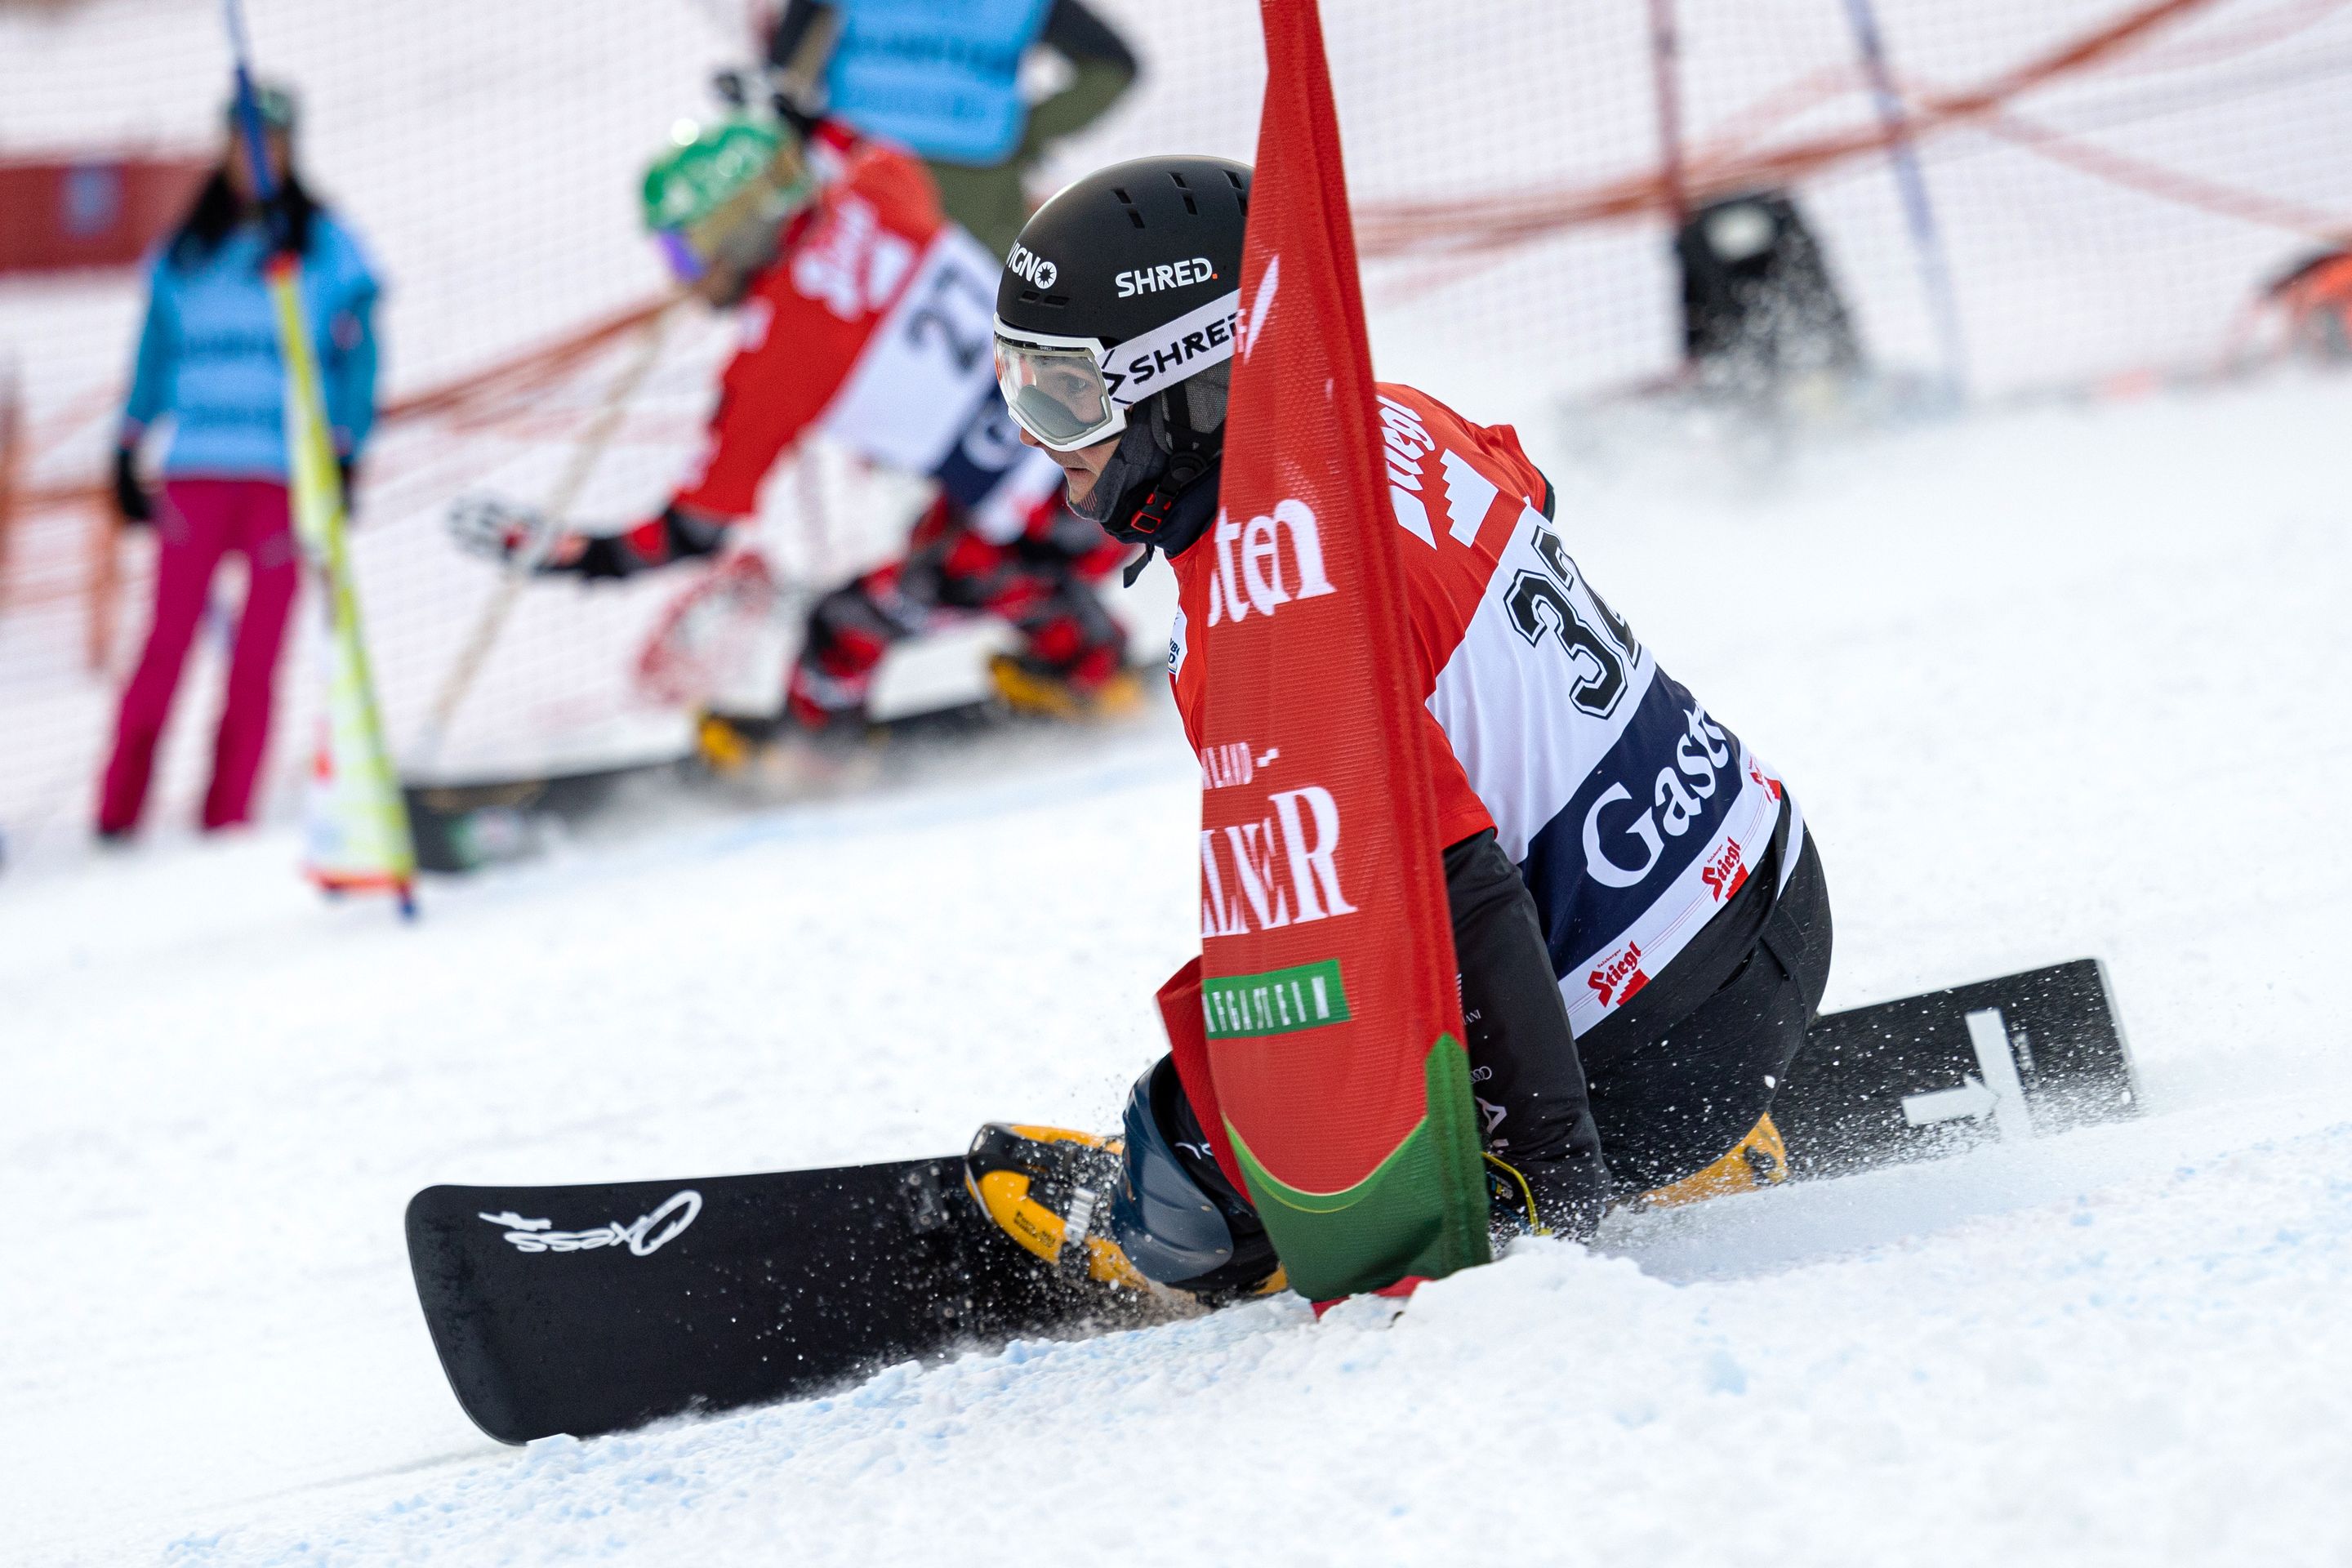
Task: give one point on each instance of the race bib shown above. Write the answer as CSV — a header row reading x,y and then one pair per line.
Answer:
x,y
912,395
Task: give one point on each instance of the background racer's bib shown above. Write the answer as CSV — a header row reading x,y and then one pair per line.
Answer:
x,y
910,397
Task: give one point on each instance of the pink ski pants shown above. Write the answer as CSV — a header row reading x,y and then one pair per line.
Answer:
x,y
201,520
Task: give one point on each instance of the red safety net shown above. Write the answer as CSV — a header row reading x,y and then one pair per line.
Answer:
x,y
2114,183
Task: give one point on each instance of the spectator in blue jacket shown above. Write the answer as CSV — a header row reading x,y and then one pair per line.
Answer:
x,y
945,79
208,362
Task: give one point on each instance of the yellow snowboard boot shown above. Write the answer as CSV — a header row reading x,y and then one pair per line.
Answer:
x,y
1032,692
1047,1188
1756,1161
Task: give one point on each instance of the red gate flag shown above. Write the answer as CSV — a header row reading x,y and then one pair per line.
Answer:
x,y
1329,993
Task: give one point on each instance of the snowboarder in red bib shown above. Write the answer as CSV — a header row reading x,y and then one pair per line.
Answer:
x,y
864,316
1639,914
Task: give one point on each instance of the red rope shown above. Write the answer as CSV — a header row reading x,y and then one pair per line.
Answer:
x,y
2165,184
1393,230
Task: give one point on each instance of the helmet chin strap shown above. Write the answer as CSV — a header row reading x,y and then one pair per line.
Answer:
x,y
1143,512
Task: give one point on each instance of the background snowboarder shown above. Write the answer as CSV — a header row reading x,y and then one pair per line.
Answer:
x,y
864,316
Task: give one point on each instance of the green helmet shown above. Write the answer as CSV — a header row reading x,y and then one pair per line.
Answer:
x,y
707,167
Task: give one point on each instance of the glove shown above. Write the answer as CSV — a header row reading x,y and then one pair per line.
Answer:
x,y
486,525
673,536
347,472
132,501
497,529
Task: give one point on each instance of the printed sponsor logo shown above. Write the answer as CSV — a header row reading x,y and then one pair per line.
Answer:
x,y
648,1235
1282,869
1724,874
1618,976
1255,572
1027,263
1673,803
1278,1001
1261,306
1764,781
1178,631
1406,440
1232,764
1168,275
1194,340
851,262
753,317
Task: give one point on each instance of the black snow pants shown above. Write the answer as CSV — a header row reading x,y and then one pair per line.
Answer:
x,y
1654,1093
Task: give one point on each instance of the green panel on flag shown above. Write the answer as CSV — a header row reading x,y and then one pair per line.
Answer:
x,y
1278,1001
1421,1211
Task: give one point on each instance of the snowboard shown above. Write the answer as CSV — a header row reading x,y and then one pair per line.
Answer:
x,y
588,1310
1934,1075
592,1309
462,826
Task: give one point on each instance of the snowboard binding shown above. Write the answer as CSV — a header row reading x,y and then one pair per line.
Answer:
x,y
1030,689
1049,1188
1758,1161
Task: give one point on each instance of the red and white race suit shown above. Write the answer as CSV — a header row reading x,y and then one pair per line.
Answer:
x,y
1632,814
874,327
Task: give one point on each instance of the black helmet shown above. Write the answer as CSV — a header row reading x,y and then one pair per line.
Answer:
x,y
1123,285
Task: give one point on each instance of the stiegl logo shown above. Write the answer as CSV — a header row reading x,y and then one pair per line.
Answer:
x,y
1027,263
640,1238
1405,440
1727,873
1618,975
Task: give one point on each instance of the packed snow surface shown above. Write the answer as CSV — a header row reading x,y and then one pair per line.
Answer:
x,y
2050,683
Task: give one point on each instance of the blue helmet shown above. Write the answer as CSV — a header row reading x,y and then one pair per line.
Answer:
x,y
1175,1215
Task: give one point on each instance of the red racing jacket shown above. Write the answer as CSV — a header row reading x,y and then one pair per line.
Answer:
x,y
1632,814
873,327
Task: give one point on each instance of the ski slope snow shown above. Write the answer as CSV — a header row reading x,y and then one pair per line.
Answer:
x,y
2050,682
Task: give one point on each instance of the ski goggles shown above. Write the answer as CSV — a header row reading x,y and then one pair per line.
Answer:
x,y
686,263
742,230
1070,393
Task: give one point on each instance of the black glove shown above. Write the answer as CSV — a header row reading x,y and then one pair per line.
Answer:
x,y
606,557
672,536
132,501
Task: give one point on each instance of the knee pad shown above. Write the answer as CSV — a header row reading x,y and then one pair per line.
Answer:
x,y
1174,1214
